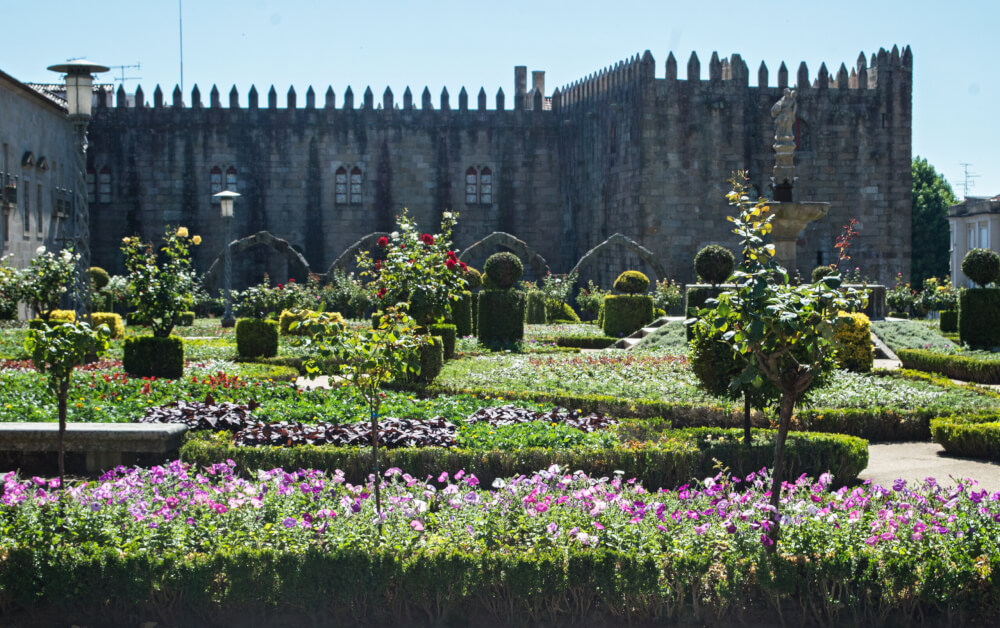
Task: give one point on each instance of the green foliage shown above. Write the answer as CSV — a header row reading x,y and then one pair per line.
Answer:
x,y
47,278
717,366
160,285
99,278
585,342
899,335
448,334
264,301
624,314
970,436
671,336
821,271
853,339
501,317
981,266
299,318
714,264
931,198
937,295
420,270
153,356
534,313
949,322
427,362
667,295
344,293
113,322
262,372
979,317
981,370
185,319
473,278
564,314
11,289
631,282
503,269
461,314
256,337
591,299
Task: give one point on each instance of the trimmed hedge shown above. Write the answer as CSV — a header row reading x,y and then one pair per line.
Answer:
x,y
979,317
657,456
948,322
301,316
461,314
534,312
973,436
256,337
503,269
186,319
585,342
501,317
981,370
429,359
853,338
631,282
565,314
113,321
151,356
447,333
624,314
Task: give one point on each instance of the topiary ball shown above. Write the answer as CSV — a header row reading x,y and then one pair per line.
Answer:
x,y
503,269
714,264
99,277
632,282
821,271
473,278
981,266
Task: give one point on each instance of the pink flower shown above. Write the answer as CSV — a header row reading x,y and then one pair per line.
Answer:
x,y
416,525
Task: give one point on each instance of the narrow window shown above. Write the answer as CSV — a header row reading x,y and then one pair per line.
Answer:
x,y
355,186
91,185
104,185
486,186
471,186
27,207
215,180
39,211
231,179
340,186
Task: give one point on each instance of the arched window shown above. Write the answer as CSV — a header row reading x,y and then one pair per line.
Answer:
x,y
231,179
471,186
340,186
486,186
215,180
104,185
355,186
91,185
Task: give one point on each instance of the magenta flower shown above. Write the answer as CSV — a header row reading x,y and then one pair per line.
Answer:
x,y
416,525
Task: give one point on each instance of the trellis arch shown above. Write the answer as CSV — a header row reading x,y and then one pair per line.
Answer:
x,y
350,253
261,238
515,245
620,240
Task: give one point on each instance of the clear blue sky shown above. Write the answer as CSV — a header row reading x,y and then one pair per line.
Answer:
x,y
451,43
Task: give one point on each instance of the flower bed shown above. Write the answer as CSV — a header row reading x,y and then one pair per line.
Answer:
x,y
183,545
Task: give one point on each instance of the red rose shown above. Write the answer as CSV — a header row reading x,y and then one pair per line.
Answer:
x,y
291,280
451,255
381,292
463,265
427,238
450,264
378,264
383,241
281,287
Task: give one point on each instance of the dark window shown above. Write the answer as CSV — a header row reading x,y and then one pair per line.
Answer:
x,y
231,179
104,185
340,186
215,180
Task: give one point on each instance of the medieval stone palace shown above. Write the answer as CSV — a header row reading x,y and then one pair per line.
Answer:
x,y
635,149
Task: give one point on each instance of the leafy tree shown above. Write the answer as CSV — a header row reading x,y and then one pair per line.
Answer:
x,y
931,235
48,277
160,286
11,280
55,351
783,332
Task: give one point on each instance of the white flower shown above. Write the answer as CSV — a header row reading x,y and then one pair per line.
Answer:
x,y
40,250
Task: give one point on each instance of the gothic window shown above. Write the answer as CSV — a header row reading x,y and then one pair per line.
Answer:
x,y
486,186
215,180
91,185
340,186
104,185
471,186
231,179
355,186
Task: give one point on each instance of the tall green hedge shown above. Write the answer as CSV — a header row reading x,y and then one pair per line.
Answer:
x,y
979,317
150,356
429,360
624,314
256,337
949,321
981,370
461,314
501,317
447,334
535,313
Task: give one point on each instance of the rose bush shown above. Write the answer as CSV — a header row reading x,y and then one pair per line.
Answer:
x,y
160,285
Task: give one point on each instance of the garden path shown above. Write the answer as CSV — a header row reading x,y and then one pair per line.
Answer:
x,y
915,461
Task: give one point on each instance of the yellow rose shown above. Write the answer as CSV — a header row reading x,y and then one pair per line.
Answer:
x,y
126,240
196,240
182,232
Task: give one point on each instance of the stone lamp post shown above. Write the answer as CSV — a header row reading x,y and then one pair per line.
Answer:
x,y
226,199
79,103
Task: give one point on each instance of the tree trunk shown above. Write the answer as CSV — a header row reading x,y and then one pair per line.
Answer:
x,y
62,396
777,475
378,491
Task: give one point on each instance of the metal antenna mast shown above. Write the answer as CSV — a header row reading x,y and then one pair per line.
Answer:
x,y
180,25
122,68
969,181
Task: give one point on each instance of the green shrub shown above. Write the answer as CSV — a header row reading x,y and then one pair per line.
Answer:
x,y
585,342
475,313
264,372
99,278
949,322
534,313
186,319
658,313
981,266
473,277
972,436
977,369
624,314
501,317
113,321
256,337
152,356
301,316
631,282
979,317
821,271
429,359
62,316
714,264
461,314
503,269
448,334
853,338
565,314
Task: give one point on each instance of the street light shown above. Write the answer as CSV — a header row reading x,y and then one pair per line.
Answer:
x,y
226,199
79,101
